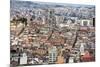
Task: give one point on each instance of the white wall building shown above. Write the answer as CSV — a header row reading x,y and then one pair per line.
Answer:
x,y
86,22
82,48
52,54
23,59
59,19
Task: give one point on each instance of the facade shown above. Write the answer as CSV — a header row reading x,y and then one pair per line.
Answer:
x,y
52,55
86,22
23,59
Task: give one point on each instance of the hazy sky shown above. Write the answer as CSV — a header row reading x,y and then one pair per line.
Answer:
x,y
89,2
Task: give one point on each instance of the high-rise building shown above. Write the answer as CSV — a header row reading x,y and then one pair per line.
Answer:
x,y
51,18
52,54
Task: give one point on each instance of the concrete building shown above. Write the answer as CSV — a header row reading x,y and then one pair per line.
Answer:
x,y
59,19
86,22
52,54
23,59
71,60
82,49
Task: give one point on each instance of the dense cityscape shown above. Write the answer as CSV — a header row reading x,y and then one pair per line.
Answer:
x,y
51,33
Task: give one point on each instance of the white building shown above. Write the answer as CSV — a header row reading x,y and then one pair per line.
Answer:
x,y
71,60
82,48
36,44
52,54
86,22
59,19
23,59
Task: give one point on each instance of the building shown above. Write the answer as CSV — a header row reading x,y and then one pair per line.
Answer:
x,y
59,19
71,60
51,18
82,49
40,51
52,54
23,59
60,58
86,22
44,30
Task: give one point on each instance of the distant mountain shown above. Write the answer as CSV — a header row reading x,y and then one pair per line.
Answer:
x,y
31,4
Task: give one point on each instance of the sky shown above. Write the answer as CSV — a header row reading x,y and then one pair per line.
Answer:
x,y
88,2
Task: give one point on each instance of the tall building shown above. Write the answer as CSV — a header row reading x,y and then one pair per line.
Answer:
x,y
60,58
51,18
82,49
52,54
59,19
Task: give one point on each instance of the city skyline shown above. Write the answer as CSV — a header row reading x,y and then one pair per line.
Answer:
x,y
49,33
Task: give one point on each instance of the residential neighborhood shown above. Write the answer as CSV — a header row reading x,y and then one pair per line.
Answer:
x,y
48,33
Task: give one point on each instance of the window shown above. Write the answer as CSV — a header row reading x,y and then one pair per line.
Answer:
x,y
85,23
54,54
